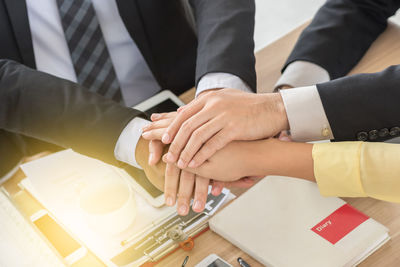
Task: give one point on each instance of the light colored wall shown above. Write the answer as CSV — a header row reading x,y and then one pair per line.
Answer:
x,y
275,18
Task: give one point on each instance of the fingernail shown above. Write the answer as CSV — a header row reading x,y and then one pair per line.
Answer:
x,y
285,139
144,128
181,164
155,116
180,108
215,191
182,210
170,158
165,138
197,205
145,134
169,201
192,164
151,157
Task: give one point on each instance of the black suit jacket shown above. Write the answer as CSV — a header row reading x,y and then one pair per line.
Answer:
x,y
161,30
35,106
359,107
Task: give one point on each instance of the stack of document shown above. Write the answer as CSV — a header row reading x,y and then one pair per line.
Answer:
x,y
284,222
60,183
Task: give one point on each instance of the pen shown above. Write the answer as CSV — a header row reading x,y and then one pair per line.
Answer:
x,y
242,262
185,261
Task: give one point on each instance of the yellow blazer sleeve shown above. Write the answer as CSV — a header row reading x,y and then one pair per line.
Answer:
x,y
358,169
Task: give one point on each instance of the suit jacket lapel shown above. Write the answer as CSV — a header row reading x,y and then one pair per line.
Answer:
x,y
20,23
130,14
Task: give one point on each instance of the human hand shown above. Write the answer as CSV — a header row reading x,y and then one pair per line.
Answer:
x,y
286,86
235,161
245,182
175,182
284,136
153,133
216,118
154,172
259,159
178,186
160,123
181,185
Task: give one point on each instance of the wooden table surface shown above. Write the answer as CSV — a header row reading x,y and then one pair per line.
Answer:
x,y
383,53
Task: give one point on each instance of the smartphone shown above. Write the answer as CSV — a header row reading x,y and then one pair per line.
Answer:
x,y
165,101
70,249
213,260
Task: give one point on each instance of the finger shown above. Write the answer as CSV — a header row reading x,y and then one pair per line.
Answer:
x,y
200,193
183,115
186,185
171,184
153,134
283,136
181,138
205,170
215,143
156,148
181,108
217,188
196,140
160,116
242,183
164,123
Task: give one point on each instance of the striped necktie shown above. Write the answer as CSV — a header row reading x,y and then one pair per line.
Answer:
x,y
89,54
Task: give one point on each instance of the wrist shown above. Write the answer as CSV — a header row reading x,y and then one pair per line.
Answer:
x,y
275,105
142,152
288,159
270,148
155,174
258,157
281,110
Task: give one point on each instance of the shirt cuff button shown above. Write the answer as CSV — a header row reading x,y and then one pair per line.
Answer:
x,y
383,132
325,132
395,131
373,134
362,136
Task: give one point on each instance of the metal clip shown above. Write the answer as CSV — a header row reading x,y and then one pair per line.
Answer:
x,y
176,234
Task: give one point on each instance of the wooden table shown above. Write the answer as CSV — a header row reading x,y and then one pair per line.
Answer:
x,y
384,52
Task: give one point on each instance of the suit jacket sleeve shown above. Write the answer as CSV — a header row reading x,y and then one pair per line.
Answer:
x,y
225,31
54,110
363,106
341,32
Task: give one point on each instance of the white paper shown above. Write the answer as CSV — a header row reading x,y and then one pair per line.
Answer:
x,y
57,180
20,245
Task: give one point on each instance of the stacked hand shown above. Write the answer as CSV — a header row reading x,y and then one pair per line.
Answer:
x,y
179,182
200,136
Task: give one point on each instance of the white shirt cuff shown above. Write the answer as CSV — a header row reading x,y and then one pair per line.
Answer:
x,y
306,115
221,80
126,145
302,73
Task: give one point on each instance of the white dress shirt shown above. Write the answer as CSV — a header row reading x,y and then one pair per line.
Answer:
x,y
135,78
304,109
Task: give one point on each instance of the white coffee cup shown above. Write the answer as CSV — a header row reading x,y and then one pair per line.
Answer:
x,y
108,203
